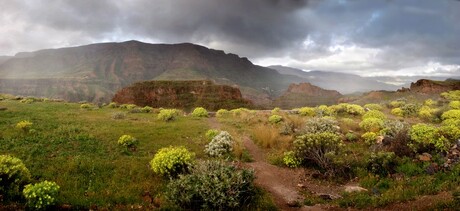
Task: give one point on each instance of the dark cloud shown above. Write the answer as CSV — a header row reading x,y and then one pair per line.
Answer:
x,y
364,37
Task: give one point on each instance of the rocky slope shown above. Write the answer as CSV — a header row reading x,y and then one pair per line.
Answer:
x,y
103,68
306,94
434,87
182,94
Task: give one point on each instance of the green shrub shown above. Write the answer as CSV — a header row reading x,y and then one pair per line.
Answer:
x,y
13,175
455,104
307,111
128,106
239,111
86,106
381,163
426,112
351,137
41,195
318,148
351,109
127,141
450,131
396,103
24,125
27,100
274,119
371,124
146,109
393,127
112,105
409,168
451,95
397,112
200,112
290,160
323,110
220,145
451,114
374,114
320,125
118,115
168,114
369,138
212,185
211,133
374,106
425,136
222,112
430,103
172,161
410,109
276,110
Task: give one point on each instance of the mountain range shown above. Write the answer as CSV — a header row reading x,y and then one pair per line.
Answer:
x,y
96,72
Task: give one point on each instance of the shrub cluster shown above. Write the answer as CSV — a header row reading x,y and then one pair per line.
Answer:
x,y
24,125
112,105
451,114
382,163
290,160
13,175
146,109
172,161
274,119
372,124
211,133
369,138
41,195
397,112
222,112
86,106
451,95
212,185
307,111
319,125
351,109
127,141
374,114
454,104
374,106
425,137
276,110
200,112
220,145
168,114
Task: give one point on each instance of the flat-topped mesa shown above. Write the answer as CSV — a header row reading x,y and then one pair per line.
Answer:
x,y
311,90
431,87
182,94
305,94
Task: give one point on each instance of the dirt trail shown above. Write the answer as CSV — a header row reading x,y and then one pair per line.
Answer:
x,y
281,183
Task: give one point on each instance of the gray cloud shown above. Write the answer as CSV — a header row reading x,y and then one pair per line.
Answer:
x,y
359,36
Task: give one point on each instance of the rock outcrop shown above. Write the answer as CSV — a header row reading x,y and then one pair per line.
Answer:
x,y
305,94
433,87
182,94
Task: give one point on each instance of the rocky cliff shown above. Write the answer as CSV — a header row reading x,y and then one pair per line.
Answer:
x,y
182,94
433,87
306,94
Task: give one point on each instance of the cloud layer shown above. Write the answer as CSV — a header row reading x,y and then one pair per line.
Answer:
x,y
379,37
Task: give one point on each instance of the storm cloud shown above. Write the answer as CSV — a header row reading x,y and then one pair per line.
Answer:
x,y
379,37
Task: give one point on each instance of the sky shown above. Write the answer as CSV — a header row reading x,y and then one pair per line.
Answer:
x,y
364,37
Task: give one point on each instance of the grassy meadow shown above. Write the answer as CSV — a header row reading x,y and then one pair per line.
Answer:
x,y
75,145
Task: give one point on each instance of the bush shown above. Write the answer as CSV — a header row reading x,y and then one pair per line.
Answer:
x,y
369,138
430,103
211,133
112,105
409,168
374,114
320,125
451,95
381,163
147,109
118,115
127,141
24,125
168,114
41,195
451,114
393,127
13,175
222,112
351,109
290,160
351,137
323,110
426,112
212,185
410,109
454,105
276,110
397,112
86,106
318,148
372,124
172,161
200,112
374,106
397,103
425,136
307,111
274,119
450,131
220,145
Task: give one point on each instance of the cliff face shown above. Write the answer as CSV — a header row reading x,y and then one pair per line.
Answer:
x,y
305,94
182,94
434,87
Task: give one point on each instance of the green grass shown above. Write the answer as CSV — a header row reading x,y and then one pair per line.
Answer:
x,y
78,149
